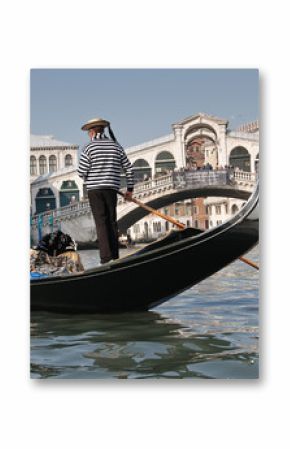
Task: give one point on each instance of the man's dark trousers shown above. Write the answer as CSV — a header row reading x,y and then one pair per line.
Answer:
x,y
103,203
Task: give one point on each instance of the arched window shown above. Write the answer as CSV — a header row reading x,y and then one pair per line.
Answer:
x,y
69,193
142,170
240,157
234,209
45,200
52,163
146,230
199,128
68,160
164,163
42,165
195,154
33,166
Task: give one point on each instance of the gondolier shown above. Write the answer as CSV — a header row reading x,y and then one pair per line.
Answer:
x,y
100,166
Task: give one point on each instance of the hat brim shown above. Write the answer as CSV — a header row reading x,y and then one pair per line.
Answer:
x,y
91,125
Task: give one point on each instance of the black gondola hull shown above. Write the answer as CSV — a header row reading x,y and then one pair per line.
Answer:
x,y
143,281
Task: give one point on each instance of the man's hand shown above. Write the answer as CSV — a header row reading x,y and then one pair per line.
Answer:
x,y
128,196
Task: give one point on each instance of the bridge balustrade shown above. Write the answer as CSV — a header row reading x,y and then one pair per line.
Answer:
x,y
153,183
192,178
245,176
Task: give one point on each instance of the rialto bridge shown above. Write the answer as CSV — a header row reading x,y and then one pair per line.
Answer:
x,y
196,141
76,219
200,143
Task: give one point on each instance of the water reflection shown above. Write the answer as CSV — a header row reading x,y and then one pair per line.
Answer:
x,y
143,345
209,331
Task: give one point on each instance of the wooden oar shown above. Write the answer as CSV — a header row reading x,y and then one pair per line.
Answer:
x,y
156,212
178,224
249,262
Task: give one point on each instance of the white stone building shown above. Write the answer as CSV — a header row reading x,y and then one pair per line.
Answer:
x,y
49,155
221,209
218,210
53,177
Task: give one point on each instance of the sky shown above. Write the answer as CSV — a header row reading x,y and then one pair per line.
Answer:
x,y
141,104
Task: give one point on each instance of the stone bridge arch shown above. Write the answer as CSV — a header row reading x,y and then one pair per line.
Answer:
x,y
134,213
210,128
45,200
69,193
141,169
164,161
200,140
240,158
197,127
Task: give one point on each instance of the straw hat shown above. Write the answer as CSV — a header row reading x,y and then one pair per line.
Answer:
x,y
95,122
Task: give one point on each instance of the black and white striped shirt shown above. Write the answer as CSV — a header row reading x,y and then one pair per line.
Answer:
x,y
101,164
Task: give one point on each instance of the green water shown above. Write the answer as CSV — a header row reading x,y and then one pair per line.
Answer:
x,y
209,331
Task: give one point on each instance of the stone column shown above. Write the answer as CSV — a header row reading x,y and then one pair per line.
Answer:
x,y
152,165
59,160
180,148
252,162
56,191
222,146
253,154
79,182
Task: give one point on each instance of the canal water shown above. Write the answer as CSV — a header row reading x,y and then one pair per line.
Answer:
x,y
210,331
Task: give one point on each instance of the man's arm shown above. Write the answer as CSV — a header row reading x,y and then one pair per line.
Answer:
x,y
84,165
128,169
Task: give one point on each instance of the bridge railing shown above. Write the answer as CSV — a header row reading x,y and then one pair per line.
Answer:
x,y
192,178
153,183
245,176
61,212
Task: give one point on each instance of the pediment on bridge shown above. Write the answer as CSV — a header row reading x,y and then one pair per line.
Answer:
x,y
201,118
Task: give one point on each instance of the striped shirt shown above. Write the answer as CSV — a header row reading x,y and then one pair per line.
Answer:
x,y
101,164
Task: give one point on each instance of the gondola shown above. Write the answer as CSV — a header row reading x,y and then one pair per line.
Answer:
x,y
156,273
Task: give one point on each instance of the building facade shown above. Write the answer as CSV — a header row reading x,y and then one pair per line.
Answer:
x,y
48,155
53,179
197,213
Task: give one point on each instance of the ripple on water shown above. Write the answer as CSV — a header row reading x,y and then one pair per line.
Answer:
x,y
209,331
